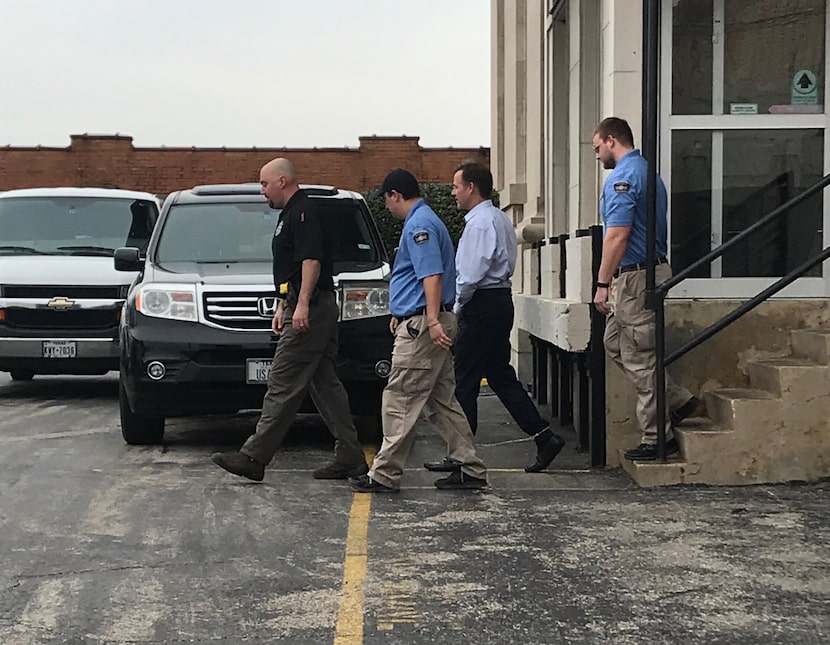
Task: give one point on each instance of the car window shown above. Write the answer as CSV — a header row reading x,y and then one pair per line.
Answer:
x,y
349,228
74,225
217,233
242,232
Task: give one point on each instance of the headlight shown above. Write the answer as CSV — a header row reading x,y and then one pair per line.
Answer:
x,y
363,301
174,301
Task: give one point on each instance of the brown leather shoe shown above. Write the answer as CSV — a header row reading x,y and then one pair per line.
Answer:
x,y
240,464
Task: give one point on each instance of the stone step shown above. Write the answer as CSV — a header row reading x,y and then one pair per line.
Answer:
x,y
813,344
649,474
785,377
742,408
697,434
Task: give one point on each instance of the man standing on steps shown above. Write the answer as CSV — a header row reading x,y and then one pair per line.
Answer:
x,y
621,282
306,321
484,263
421,296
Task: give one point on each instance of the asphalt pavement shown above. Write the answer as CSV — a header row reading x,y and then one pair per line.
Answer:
x,y
107,543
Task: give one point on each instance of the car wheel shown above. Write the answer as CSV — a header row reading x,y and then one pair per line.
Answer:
x,y
137,429
22,375
369,428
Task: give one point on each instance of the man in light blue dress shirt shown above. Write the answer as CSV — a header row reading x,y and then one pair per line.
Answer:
x,y
484,264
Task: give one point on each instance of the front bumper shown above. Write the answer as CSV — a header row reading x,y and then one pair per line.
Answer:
x,y
205,367
92,355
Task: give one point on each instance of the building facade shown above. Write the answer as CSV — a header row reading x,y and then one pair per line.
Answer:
x,y
742,129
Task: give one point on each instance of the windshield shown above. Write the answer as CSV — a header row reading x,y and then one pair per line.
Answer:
x,y
74,225
242,232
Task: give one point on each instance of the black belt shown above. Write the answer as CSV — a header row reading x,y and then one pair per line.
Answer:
x,y
625,268
422,310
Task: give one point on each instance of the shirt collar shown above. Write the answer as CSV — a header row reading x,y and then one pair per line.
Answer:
x,y
481,206
628,156
415,207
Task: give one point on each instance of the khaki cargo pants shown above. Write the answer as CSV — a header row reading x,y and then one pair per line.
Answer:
x,y
630,342
422,375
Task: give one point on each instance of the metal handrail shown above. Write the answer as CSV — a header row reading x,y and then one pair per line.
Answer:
x,y
715,253
748,306
657,298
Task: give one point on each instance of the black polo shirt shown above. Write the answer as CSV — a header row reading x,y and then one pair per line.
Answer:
x,y
300,235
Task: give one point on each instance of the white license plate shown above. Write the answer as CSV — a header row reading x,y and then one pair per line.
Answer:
x,y
60,349
257,370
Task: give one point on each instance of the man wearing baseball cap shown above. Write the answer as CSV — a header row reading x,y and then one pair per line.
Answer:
x,y
421,298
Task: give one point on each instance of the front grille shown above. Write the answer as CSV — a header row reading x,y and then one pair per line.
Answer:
x,y
73,293
70,319
237,310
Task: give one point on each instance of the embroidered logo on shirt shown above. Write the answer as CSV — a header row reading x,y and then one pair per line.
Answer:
x,y
420,237
622,187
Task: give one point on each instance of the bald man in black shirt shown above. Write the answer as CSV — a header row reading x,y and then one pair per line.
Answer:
x,y
306,321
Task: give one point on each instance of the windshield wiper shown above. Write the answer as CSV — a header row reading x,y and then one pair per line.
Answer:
x,y
23,250
84,250
229,261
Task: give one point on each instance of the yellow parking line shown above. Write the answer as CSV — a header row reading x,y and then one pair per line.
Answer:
x,y
349,628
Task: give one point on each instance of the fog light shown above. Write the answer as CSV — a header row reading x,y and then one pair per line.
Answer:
x,y
156,370
382,368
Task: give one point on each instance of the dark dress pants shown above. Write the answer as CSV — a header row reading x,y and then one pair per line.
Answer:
x,y
482,350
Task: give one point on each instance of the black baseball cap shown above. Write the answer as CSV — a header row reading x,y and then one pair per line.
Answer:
x,y
401,181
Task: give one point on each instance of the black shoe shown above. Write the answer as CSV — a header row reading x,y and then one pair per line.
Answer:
x,y
240,464
339,471
459,480
684,411
446,465
648,451
546,455
365,484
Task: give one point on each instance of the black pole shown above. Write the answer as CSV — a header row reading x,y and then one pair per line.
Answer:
x,y
650,78
654,299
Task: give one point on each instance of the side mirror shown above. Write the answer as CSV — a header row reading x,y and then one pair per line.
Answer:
x,y
128,258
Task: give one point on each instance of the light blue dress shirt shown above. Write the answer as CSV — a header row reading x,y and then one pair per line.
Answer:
x,y
486,255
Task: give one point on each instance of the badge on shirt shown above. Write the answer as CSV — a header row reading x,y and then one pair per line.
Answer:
x,y
621,187
278,230
420,237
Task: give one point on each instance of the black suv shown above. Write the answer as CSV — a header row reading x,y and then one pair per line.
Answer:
x,y
196,327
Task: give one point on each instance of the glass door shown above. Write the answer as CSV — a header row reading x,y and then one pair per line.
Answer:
x,y
743,128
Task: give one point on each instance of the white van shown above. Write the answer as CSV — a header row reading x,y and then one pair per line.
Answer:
x,y
60,296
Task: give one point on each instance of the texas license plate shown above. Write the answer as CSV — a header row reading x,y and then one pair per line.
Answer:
x,y
257,370
60,349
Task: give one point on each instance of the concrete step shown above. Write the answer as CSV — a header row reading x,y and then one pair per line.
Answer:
x,y
742,409
649,474
813,344
785,377
697,434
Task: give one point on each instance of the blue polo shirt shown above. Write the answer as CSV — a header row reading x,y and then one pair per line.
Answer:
x,y
425,249
623,203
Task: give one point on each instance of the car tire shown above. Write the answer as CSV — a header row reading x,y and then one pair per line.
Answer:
x,y
137,429
22,375
369,428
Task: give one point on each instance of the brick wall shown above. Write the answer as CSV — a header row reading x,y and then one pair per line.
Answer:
x,y
111,161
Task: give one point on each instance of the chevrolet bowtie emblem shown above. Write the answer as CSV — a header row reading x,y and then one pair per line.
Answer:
x,y
60,302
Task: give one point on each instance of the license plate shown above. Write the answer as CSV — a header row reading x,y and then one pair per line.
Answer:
x,y
257,370
60,349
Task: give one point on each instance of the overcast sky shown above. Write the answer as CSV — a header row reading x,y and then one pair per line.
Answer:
x,y
242,73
